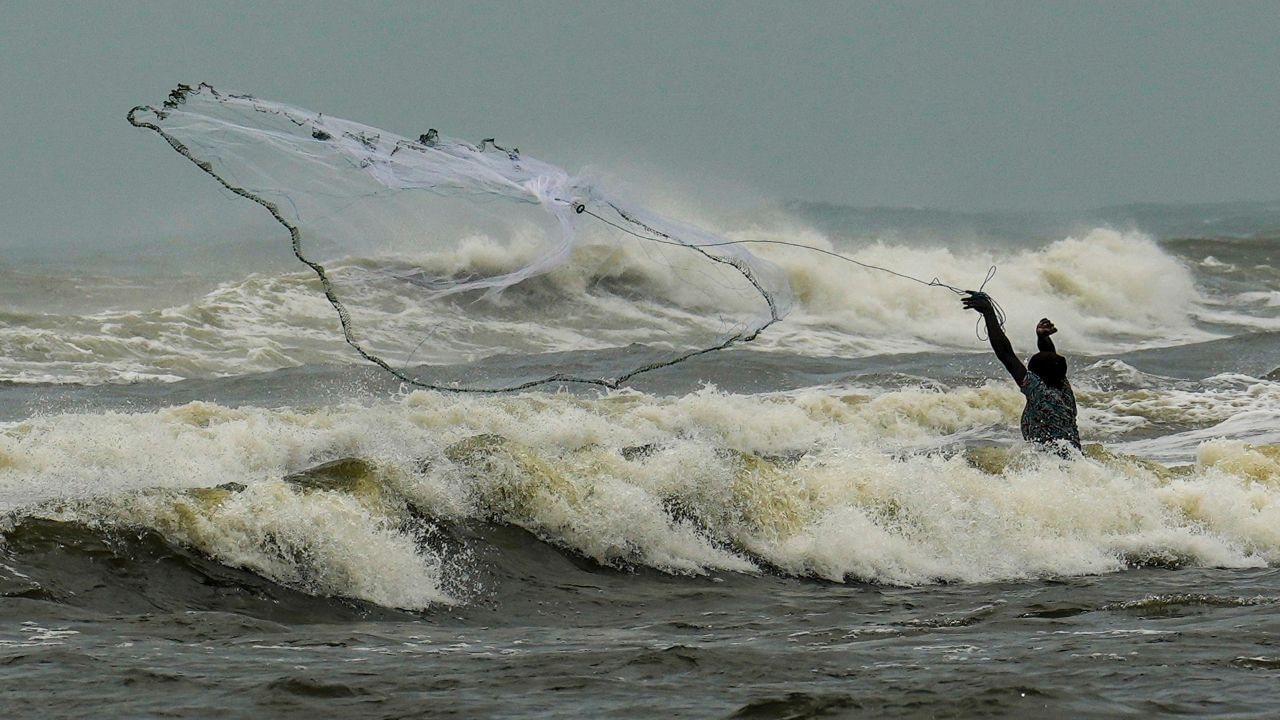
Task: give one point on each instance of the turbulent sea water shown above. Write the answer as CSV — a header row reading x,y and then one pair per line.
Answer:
x,y
211,507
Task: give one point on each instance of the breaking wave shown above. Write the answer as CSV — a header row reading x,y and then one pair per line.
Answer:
x,y
352,500
1108,291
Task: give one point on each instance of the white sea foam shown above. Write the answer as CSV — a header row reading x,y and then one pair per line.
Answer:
x,y
811,482
1215,400
1107,290
1252,426
1269,298
324,542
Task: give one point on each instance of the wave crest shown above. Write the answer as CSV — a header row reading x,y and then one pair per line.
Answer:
x,y
812,484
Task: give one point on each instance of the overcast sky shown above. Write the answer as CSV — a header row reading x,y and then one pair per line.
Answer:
x,y
957,105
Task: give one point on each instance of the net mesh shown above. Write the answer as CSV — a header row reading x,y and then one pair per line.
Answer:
x,y
472,267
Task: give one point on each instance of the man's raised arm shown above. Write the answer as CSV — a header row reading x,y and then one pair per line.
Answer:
x,y
999,342
1043,330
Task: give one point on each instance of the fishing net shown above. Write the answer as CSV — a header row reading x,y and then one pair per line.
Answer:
x,y
472,267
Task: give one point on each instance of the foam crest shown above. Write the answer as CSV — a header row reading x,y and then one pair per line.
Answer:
x,y
325,543
1253,426
260,323
604,296
1260,463
1106,290
1173,405
809,483
1267,298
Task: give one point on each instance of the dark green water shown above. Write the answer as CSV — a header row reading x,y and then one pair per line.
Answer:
x,y
552,636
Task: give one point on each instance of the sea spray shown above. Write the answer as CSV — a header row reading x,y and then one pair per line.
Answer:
x,y
807,484
1109,291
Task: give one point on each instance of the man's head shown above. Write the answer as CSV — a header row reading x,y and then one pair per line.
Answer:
x,y
1050,366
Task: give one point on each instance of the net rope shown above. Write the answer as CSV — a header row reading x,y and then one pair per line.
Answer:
x,y
337,186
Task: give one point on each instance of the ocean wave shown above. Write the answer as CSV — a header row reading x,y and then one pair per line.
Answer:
x,y
1108,291
1268,298
327,544
811,483
1258,427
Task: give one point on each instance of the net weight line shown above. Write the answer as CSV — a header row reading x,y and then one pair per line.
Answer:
x,y
666,240
179,96
935,282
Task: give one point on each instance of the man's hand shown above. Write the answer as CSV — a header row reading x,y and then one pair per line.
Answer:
x,y
979,302
1045,328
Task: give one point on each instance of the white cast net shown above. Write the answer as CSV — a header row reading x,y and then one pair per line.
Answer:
x,y
473,267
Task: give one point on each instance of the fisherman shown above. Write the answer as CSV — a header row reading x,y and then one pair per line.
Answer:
x,y
1049,420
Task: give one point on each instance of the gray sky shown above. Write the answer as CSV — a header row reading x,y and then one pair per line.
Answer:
x,y
957,105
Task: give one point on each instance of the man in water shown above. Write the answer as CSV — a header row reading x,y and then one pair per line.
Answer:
x,y
1049,420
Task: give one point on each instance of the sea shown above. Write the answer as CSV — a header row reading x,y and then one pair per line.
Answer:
x,y
212,507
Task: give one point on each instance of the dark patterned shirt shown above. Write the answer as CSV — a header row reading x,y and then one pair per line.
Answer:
x,y
1050,414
